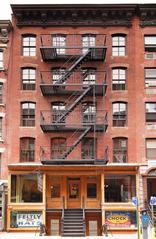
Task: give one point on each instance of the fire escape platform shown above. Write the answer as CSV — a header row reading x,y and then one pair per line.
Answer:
x,y
49,53
49,128
68,89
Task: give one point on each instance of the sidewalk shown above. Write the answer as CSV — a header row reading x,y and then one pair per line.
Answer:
x,y
5,235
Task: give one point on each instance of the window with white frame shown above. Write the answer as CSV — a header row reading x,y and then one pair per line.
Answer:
x,y
150,77
28,78
151,148
89,76
119,79
1,59
59,42
88,41
150,112
29,45
119,114
118,45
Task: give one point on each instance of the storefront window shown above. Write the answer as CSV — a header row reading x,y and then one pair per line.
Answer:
x,y
26,188
25,219
121,219
120,188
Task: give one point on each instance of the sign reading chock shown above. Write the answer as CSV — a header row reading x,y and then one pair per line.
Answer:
x,y
118,219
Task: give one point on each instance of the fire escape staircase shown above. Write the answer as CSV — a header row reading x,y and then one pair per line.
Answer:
x,y
76,143
75,66
73,105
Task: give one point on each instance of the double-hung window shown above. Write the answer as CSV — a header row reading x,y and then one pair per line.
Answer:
x,y
29,45
59,42
119,45
118,79
1,59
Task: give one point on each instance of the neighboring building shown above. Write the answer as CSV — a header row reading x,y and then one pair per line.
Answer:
x,y
5,28
81,114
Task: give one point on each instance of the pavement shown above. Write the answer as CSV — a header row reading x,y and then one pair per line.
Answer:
x,y
13,235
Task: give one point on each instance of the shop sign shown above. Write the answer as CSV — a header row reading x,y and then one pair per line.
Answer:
x,y
152,200
29,219
118,219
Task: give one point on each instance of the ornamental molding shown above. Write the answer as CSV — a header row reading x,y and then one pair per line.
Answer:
x,y
5,28
71,15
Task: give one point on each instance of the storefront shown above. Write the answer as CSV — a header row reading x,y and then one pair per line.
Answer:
x,y
37,194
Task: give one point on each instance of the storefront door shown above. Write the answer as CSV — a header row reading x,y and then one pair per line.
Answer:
x,y
73,193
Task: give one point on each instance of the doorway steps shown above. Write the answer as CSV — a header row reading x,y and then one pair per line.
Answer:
x,y
73,224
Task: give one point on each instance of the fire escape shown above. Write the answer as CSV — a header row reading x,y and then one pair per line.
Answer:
x,y
69,85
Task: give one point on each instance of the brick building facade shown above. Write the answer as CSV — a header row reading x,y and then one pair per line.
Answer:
x,y
81,117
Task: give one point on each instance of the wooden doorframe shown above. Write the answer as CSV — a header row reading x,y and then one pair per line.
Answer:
x,y
74,182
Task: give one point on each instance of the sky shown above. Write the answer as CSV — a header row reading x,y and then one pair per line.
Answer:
x,y
5,9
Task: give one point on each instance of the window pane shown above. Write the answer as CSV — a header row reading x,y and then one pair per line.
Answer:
x,y
28,114
25,219
121,219
119,150
151,148
27,149
55,191
150,40
119,188
24,188
1,59
28,79
29,46
91,190
118,45
93,228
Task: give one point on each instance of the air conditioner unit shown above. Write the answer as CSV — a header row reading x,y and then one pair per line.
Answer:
x,y
150,56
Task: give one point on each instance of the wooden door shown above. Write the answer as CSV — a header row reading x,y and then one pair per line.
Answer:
x,y
73,193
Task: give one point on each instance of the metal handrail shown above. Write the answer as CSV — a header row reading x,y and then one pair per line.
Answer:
x,y
62,216
83,208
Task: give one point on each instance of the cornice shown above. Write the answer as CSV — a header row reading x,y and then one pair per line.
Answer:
x,y
73,15
147,15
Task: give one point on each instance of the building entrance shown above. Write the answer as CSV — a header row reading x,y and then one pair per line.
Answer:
x,y
73,193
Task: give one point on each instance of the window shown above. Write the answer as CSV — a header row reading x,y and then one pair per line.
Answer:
x,y
89,76
55,191
1,59
24,188
58,148
1,127
25,219
88,112
27,149
151,112
28,79
59,42
57,74
150,77
120,150
28,114
119,114
91,190
88,41
1,92
55,227
58,108
93,228
150,43
118,45
121,219
88,148
151,148
118,79
120,188
29,45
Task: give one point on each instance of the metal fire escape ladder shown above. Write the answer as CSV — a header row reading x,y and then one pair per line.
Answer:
x,y
73,105
74,67
76,142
